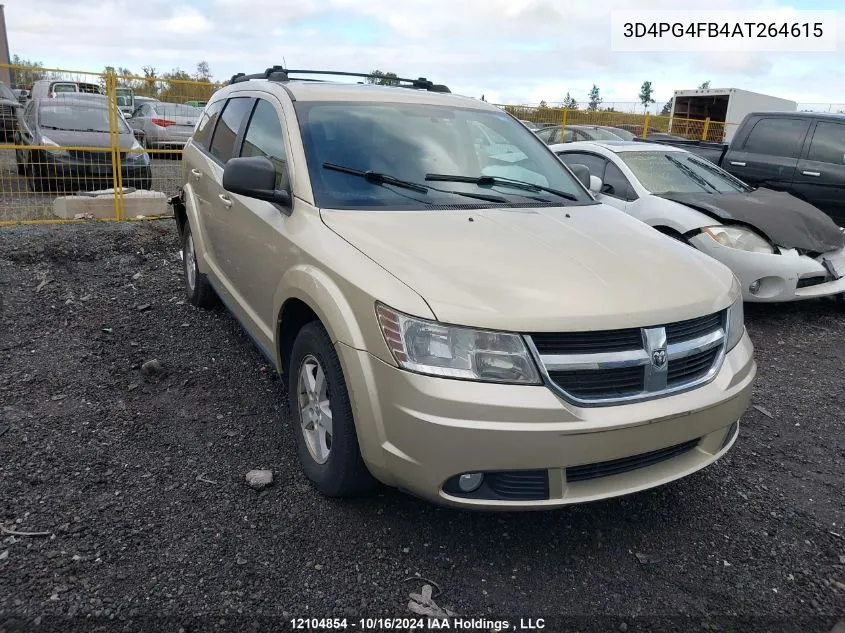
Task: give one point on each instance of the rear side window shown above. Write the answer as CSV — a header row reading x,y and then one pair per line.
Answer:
x,y
264,138
226,132
777,137
828,144
202,135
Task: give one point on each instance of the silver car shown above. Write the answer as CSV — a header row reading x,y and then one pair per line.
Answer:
x,y
165,125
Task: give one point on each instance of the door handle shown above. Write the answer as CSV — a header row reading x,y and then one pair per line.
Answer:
x,y
737,163
196,173
226,200
811,173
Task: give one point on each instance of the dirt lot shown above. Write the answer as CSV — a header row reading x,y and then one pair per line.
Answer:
x,y
18,202
138,482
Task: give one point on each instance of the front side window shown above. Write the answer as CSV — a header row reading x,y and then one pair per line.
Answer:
x,y
77,118
264,137
415,143
679,172
614,183
223,143
594,163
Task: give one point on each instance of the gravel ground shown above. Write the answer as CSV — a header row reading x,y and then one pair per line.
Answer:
x,y
138,482
19,202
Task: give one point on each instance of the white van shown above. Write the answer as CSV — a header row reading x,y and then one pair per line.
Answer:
x,y
48,88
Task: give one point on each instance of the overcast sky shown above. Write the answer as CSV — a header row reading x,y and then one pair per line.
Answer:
x,y
512,51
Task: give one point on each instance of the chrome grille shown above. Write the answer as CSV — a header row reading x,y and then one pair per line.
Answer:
x,y
614,366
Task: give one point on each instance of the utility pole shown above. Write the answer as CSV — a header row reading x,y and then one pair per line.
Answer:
x,y
5,72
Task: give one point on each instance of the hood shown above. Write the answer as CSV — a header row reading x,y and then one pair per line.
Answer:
x,y
573,268
67,138
786,220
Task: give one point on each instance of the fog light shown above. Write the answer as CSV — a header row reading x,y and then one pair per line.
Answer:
x,y
754,288
469,482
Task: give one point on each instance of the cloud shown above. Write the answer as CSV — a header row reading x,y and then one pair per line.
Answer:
x,y
519,51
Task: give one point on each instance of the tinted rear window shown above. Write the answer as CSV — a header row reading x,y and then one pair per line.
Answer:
x,y
777,137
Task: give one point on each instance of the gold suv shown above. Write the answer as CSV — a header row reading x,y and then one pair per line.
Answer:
x,y
453,312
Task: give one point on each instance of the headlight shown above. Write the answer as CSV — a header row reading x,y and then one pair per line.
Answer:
x,y
428,347
739,238
736,323
51,143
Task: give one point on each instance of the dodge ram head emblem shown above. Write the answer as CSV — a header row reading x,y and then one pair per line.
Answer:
x,y
658,357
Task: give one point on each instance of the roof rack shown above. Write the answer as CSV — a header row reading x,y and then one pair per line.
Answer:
x,y
279,73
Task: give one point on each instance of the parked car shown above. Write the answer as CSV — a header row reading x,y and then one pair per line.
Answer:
x,y
779,247
481,334
52,134
802,153
165,125
48,88
9,111
529,124
552,135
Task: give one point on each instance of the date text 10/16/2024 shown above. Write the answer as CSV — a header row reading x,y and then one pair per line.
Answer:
x,y
417,624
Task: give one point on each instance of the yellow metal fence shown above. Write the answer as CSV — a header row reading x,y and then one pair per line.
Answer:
x,y
86,156
640,125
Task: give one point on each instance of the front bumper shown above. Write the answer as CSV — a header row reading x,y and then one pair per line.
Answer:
x,y
87,173
418,432
788,276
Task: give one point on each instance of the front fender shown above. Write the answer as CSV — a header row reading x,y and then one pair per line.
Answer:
x,y
656,211
189,205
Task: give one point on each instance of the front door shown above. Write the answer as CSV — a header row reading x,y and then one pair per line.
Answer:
x,y
820,177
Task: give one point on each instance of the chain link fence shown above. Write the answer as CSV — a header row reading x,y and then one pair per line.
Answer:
x,y
81,145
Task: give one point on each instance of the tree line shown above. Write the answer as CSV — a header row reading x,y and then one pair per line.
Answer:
x,y
174,85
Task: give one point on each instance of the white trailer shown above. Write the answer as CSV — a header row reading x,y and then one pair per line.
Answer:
x,y
725,107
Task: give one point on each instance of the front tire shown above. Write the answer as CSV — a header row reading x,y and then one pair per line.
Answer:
x,y
197,287
321,414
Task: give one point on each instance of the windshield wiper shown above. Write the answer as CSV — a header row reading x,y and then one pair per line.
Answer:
x,y
490,181
379,178
702,182
718,171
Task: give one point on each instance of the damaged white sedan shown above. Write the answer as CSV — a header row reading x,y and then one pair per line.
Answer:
x,y
778,246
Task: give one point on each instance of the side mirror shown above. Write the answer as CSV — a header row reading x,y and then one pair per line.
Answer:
x,y
595,184
254,177
582,173
139,135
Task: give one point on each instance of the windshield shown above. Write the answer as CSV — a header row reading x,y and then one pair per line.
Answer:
x,y
680,172
176,109
412,141
79,118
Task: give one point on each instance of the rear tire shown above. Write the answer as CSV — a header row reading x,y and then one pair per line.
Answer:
x,y
326,442
197,287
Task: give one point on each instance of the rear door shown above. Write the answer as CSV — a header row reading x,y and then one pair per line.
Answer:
x,y
225,144
820,177
768,154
